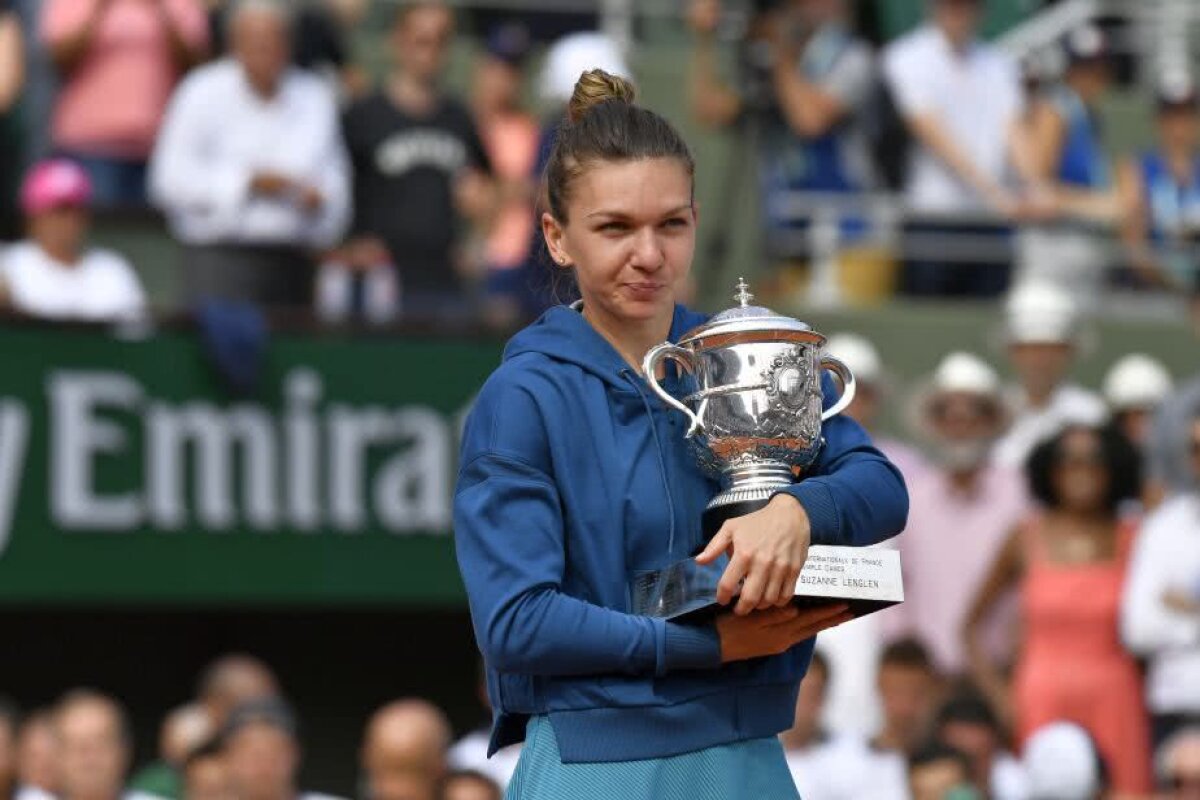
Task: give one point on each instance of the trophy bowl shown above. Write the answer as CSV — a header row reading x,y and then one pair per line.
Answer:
x,y
750,385
756,405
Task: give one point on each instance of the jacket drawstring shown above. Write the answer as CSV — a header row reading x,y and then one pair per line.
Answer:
x,y
662,463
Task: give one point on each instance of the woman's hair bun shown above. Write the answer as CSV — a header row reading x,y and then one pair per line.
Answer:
x,y
595,87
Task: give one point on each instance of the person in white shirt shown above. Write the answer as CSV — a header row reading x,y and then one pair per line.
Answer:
x,y
851,704
250,167
1042,339
961,101
37,755
53,274
1160,617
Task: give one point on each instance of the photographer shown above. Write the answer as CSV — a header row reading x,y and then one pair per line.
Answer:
x,y
804,80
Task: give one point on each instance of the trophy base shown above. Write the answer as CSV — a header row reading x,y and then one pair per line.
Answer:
x,y
866,580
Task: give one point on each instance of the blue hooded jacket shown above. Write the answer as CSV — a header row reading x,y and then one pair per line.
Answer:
x,y
574,477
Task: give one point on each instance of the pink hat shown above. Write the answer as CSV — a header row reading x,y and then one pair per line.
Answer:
x,y
54,184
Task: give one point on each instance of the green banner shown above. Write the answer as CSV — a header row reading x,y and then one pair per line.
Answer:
x,y
128,476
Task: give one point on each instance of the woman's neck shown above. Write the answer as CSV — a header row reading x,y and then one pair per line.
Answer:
x,y
631,339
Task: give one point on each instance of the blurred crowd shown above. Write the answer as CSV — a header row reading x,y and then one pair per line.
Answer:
x,y
1049,642
288,179
237,739
291,179
1001,170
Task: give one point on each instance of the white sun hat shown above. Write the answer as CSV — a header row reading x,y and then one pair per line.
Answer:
x,y
1136,381
1061,763
857,353
1039,312
575,54
967,373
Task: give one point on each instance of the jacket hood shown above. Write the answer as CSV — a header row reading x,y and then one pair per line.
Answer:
x,y
563,334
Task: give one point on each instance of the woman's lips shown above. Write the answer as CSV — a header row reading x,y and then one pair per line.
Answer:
x,y
644,291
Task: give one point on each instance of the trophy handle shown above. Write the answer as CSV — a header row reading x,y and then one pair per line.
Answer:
x,y
669,352
848,386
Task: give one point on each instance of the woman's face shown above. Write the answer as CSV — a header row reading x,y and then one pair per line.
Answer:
x,y
1080,475
1177,128
630,236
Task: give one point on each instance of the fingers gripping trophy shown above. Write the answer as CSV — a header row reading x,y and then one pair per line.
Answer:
x,y
755,407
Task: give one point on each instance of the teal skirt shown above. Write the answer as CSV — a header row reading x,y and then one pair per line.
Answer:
x,y
752,769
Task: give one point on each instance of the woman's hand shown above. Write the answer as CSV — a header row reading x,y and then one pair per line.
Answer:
x,y
771,632
767,549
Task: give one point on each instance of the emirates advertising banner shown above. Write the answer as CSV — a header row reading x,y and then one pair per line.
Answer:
x,y
128,475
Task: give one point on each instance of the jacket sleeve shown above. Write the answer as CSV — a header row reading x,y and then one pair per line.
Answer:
x,y
1147,624
852,494
509,536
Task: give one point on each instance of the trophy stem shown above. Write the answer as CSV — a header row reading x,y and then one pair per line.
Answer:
x,y
750,488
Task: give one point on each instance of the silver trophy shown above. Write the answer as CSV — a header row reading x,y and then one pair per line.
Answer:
x,y
755,405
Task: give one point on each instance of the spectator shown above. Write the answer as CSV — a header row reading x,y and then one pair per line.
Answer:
x,y
420,168
262,753
94,748
469,786
1070,564
861,356
1179,766
939,772
205,774
803,743
908,688
848,766
318,40
961,101
231,681
1161,608
37,757
1134,387
119,61
852,704
404,751
566,59
511,137
253,190
1072,170
808,81
470,753
1042,338
1161,191
1061,763
966,508
53,274
967,723
185,729
12,80
10,722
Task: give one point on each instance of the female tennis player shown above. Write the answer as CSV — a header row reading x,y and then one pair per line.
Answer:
x,y
574,478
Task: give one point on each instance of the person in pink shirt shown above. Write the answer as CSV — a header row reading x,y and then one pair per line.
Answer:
x,y
964,508
119,61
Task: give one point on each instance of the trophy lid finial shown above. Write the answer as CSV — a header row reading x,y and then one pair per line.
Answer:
x,y
743,296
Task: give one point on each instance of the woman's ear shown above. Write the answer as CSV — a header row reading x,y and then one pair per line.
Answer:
x,y
553,232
